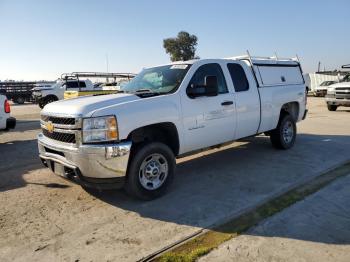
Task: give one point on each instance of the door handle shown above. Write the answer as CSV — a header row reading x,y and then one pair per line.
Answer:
x,y
227,103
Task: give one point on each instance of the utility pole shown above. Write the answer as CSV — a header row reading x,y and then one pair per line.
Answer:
x,y
319,66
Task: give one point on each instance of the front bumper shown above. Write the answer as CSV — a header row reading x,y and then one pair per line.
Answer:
x,y
99,166
10,123
338,100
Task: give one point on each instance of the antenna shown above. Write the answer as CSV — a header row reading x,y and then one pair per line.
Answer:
x,y
107,67
107,62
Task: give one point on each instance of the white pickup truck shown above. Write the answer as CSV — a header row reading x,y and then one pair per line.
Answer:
x,y
45,94
6,121
132,139
339,94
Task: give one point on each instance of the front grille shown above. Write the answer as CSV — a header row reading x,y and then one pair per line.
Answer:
x,y
62,137
59,120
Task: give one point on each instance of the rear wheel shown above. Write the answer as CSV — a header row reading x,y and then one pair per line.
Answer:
x,y
283,137
332,107
151,171
19,100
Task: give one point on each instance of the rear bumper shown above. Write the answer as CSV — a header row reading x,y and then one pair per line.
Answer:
x,y
10,123
98,166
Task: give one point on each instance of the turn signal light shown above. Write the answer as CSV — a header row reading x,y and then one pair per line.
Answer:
x,y
7,106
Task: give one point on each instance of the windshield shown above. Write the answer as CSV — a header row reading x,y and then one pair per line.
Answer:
x,y
327,83
162,79
346,78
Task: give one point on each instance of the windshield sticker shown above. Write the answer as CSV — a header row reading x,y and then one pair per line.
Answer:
x,y
178,67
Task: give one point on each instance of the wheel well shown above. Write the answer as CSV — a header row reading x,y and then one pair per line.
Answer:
x,y
52,96
161,132
291,108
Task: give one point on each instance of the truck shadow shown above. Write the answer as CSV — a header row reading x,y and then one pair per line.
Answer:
x,y
18,158
214,187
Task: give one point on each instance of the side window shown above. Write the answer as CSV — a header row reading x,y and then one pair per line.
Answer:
x,y
210,70
72,84
82,84
239,78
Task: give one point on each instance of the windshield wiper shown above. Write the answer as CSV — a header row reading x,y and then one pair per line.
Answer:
x,y
146,92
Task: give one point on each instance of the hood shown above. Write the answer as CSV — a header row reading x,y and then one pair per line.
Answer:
x,y
86,105
42,88
341,84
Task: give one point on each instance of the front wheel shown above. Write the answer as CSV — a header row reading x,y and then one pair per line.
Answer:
x,y
150,171
332,107
283,137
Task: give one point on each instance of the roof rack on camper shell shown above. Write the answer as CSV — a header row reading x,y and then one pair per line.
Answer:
x,y
265,60
289,69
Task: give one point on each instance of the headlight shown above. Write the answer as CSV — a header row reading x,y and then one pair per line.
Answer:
x,y
330,91
100,129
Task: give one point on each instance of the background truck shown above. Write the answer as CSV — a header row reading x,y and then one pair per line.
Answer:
x,y
6,121
18,92
321,90
132,139
339,94
76,84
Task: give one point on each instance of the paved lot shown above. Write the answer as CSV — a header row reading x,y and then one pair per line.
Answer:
x,y
316,229
44,217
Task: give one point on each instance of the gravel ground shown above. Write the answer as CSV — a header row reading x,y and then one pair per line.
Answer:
x,y
46,218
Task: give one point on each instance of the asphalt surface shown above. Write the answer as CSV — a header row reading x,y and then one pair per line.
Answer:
x,y
44,217
315,229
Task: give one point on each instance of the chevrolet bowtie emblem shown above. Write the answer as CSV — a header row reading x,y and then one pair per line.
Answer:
x,y
49,126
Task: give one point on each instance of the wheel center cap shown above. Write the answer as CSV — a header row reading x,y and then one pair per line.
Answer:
x,y
155,171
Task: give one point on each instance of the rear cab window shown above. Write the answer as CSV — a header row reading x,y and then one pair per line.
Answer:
x,y
238,76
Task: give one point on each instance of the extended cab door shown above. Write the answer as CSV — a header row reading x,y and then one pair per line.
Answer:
x,y
247,99
208,121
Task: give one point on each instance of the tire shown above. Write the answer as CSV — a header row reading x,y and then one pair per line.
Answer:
x,y
41,105
48,100
151,171
283,137
332,107
20,100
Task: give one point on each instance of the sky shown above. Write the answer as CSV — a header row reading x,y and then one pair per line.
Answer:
x,y
41,39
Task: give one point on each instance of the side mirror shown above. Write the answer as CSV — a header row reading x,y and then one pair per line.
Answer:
x,y
210,88
211,85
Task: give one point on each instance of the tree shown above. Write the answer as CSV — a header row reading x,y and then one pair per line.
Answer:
x,y
182,47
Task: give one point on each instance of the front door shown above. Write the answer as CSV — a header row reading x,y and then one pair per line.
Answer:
x,y
208,121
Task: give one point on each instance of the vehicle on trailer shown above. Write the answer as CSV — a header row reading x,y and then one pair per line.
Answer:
x,y
6,121
321,90
17,91
118,80
76,83
339,94
131,139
